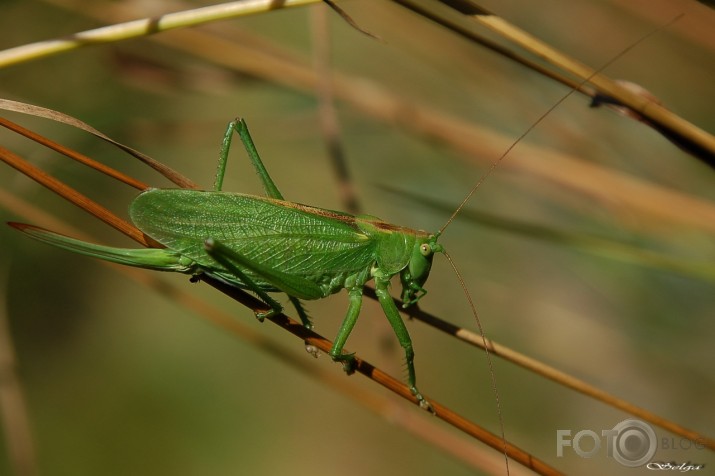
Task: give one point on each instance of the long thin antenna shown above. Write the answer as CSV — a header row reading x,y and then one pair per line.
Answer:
x,y
543,116
493,166
487,346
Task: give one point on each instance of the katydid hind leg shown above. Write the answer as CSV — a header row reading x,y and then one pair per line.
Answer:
x,y
268,185
240,127
223,156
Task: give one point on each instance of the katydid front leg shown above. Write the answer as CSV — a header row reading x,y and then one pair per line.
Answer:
x,y
382,283
398,326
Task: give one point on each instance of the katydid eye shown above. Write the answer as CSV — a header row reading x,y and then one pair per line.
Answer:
x,y
425,249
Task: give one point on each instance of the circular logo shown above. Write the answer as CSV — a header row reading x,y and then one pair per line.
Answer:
x,y
635,443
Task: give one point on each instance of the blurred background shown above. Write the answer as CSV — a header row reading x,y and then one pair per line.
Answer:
x,y
120,380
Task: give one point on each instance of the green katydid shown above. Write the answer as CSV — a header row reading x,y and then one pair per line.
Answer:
x,y
267,244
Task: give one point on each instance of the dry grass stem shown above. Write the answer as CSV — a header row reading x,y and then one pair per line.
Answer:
x,y
140,28
74,155
618,191
685,133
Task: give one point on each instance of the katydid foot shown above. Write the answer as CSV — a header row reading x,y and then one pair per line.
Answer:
x,y
424,404
348,361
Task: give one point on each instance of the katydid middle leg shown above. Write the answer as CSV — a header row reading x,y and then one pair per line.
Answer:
x,y
336,352
302,314
293,286
224,255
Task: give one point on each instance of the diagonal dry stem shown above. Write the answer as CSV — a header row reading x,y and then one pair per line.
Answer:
x,y
72,195
142,27
689,137
74,155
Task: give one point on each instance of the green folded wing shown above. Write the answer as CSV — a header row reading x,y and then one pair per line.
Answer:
x,y
319,245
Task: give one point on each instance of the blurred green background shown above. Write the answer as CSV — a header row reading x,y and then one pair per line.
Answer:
x,y
119,380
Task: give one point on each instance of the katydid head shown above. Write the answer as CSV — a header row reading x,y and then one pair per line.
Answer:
x,y
415,275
